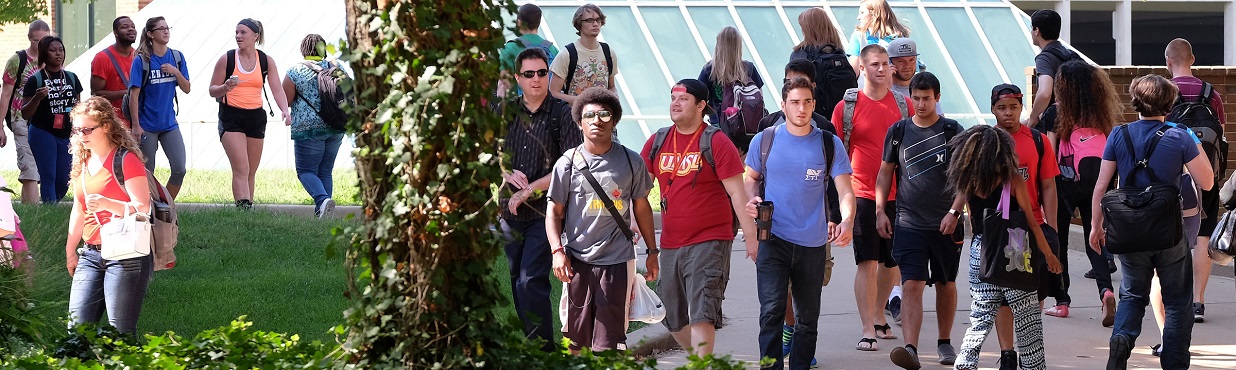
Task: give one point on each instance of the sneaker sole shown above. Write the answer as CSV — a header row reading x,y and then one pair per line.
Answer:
x,y
902,357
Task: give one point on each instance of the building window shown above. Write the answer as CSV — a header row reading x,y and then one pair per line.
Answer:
x,y
82,24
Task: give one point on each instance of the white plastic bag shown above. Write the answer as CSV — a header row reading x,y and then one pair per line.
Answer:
x,y
646,306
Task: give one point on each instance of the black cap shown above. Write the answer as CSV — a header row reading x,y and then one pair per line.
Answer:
x,y
695,88
1004,91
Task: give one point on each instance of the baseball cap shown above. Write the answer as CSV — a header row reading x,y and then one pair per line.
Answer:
x,y
695,88
902,47
1002,91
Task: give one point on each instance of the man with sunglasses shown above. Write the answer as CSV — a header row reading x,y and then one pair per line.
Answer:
x,y
694,191
540,130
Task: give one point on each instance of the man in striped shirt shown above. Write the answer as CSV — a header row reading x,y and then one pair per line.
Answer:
x,y
540,131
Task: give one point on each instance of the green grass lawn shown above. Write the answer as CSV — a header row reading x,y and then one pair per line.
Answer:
x,y
267,266
274,186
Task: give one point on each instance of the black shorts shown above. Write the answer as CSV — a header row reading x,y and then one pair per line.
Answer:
x,y
251,122
926,255
868,245
1210,205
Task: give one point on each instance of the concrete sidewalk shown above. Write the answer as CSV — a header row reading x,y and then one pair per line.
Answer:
x,y
1076,342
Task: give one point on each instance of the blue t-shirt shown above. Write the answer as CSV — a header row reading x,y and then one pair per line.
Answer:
x,y
796,183
157,112
1176,148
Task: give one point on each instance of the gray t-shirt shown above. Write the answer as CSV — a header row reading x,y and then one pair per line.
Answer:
x,y
905,90
923,194
1047,64
590,234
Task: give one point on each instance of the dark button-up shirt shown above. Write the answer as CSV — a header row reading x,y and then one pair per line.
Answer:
x,y
534,141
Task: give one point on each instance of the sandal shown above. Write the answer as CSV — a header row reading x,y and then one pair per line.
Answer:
x,y
888,332
867,344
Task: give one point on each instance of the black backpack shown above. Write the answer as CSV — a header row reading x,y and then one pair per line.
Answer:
x,y
331,96
1129,209
21,69
1198,116
833,76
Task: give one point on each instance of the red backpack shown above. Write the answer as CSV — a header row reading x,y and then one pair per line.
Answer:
x,y
1081,153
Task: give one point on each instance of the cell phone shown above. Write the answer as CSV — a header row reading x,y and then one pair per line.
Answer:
x,y
234,78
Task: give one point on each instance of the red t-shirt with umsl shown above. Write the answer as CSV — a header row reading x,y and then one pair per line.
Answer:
x,y
872,119
104,183
102,67
697,207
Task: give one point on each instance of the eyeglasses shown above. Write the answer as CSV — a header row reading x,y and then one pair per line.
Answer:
x,y
530,73
604,115
161,29
593,20
83,130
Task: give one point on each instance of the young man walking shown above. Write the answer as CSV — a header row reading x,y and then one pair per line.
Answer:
x,y
109,70
1045,34
540,131
862,119
17,70
595,188
926,247
791,172
696,168
1179,55
588,62
1036,161
528,23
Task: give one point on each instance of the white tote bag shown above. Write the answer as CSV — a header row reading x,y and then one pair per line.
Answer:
x,y
125,237
646,306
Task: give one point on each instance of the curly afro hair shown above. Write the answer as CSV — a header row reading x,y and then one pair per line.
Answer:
x,y
599,96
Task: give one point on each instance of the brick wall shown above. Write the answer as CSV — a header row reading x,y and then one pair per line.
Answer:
x,y
1223,79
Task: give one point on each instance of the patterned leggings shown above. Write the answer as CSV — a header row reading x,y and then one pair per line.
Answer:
x,y
987,298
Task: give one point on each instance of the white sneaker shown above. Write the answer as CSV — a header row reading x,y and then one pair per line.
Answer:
x,y
325,208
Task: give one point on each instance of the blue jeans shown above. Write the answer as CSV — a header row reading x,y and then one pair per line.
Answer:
x,y
315,159
527,255
1175,268
782,266
118,286
51,154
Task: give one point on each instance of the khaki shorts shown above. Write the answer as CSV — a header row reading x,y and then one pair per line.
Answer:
x,y
692,283
25,157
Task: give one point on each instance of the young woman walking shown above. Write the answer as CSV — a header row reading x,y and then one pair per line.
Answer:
x,y
50,95
157,72
238,83
316,144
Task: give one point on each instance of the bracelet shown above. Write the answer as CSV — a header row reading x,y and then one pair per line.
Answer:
x,y
556,251
652,251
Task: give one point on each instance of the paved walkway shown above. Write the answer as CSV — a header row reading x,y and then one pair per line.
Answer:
x,y
1077,342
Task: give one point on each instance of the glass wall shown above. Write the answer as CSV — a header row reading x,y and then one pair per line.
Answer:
x,y
81,24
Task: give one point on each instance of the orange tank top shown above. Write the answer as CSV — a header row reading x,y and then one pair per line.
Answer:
x,y
247,94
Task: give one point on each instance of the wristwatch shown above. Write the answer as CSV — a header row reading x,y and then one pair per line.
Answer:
x,y
954,212
652,251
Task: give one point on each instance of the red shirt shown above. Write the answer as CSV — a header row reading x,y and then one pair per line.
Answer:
x,y
871,122
1028,160
104,183
697,207
102,67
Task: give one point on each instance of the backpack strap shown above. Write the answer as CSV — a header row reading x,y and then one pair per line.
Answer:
x,y
573,59
847,115
555,132
766,142
706,146
124,77
264,62
118,165
1207,89
1038,147
609,59
658,140
231,64
22,60
1060,53
901,104
1144,163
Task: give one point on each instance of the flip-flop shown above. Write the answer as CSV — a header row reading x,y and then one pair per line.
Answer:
x,y
870,345
888,332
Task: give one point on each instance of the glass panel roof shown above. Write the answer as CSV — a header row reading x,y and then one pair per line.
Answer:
x,y
952,100
959,36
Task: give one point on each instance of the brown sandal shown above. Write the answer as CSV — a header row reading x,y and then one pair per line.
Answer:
x,y
888,332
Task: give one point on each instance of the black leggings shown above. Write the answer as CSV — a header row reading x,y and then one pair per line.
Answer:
x,y
1077,196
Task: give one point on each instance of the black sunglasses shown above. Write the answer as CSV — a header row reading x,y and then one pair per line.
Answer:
x,y
530,73
83,130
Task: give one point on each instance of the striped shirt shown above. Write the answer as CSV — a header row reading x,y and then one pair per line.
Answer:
x,y
1191,88
534,145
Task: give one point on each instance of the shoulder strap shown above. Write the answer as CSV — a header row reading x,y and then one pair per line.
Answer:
x,y
522,43
545,44
573,59
1059,52
951,129
1145,161
901,104
124,77
706,145
264,63
847,115
1038,147
145,71
766,141
231,63
828,154
658,140
21,68
609,59
1204,96
899,133
118,165
609,203
555,132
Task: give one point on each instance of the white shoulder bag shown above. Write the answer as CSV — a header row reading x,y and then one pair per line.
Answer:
x,y
124,237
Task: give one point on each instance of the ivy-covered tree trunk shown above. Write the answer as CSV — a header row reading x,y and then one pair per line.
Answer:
x,y
426,160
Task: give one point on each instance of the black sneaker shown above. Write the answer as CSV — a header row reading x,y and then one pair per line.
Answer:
x,y
1199,312
893,309
1118,354
244,205
905,357
1111,266
1008,360
1089,274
